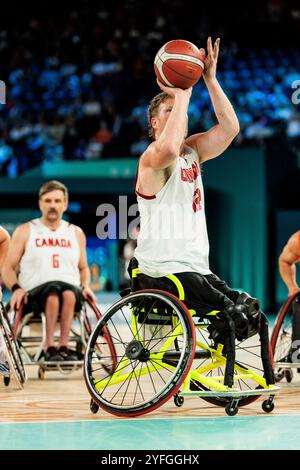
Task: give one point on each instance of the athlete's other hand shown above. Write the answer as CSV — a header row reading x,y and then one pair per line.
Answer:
x,y
88,294
17,298
211,60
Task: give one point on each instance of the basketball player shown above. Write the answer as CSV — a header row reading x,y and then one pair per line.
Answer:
x,y
4,243
288,258
46,266
287,263
169,179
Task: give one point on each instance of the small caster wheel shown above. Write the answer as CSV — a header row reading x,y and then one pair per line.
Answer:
x,y
94,407
289,375
267,406
279,375
231,409
6,380
41,373
178,400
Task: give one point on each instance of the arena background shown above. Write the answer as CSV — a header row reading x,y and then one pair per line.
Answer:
x,y
79,76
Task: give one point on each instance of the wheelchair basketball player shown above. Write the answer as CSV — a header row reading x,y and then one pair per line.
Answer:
x,y
46,268
169,183
4,243
288,258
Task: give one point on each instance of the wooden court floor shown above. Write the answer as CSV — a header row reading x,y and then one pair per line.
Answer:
x,y
65,398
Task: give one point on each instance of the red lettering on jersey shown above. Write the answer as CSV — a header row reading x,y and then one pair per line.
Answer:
x,y
60,242
190,174
197,200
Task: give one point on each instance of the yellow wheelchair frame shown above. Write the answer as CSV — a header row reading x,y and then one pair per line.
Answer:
x,y
186,381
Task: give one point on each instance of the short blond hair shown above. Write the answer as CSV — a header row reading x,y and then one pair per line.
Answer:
x,y
153,109
53,186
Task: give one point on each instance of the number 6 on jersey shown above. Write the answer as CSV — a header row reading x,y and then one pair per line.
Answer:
x,y
55,261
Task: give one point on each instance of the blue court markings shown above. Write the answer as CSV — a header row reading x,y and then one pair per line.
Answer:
x,y
267,432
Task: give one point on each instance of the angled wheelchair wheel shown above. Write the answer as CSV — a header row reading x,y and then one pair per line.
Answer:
x,y
104,349
281,340
154,340
210,362
12,349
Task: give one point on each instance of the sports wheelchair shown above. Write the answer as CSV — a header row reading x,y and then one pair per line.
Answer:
x,y
29,330
11,351
287,327
162,350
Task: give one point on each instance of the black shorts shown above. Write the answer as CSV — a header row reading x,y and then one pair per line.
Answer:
x,y
37,297
203,293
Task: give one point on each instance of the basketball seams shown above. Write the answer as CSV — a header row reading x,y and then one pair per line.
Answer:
x,y
159,66
179,74
184,57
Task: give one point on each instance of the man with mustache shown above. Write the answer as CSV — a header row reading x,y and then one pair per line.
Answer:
x,y
46,267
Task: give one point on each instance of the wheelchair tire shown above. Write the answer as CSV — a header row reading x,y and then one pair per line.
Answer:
x,y
281,339
12,349
149,368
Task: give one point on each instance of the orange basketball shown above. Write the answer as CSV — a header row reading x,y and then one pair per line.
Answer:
x,y
179,64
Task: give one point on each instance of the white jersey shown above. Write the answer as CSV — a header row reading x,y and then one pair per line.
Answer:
x,y
173,236
50,255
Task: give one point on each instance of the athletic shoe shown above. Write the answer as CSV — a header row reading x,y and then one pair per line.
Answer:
x,y
67,354
53,355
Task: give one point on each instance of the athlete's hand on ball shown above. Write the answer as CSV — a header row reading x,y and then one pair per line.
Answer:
x,y
17,298
172,91
89,294
211,60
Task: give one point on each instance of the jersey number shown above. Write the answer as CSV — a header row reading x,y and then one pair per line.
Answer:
x,y
55,261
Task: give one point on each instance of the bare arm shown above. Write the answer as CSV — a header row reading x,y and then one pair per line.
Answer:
x,y
14,255
287,263
164,151
212,143
11,263
85,276
4,243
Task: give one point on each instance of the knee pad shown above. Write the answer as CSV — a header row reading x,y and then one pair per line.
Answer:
x,y
252,310
239,316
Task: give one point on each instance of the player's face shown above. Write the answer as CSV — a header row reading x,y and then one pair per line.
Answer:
x,y
160,120
53,205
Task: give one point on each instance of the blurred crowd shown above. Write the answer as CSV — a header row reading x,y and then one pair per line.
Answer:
x,y
79,78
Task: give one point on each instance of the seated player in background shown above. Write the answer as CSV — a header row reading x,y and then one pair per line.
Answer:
x,y
4,243
288,258
46,266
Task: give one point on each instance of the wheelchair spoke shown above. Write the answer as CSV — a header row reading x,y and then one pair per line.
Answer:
x,y
138,383
199,330
160,339
157,370
250,352
150,375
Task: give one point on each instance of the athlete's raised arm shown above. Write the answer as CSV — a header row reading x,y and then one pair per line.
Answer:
x,y
169,124
212,143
